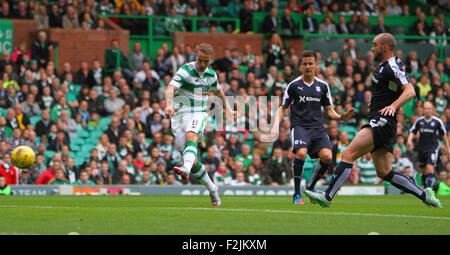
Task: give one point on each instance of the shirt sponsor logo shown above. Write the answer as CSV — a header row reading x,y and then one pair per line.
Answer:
x,y
304,99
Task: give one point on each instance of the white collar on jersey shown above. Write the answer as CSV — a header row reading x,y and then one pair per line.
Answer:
x,y
309,85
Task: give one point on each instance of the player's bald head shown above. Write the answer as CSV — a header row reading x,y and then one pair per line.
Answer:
x,y
386,38
428,104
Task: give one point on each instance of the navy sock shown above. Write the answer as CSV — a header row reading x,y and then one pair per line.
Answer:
x,y
428,180
319,171
402,182
339,177
298,172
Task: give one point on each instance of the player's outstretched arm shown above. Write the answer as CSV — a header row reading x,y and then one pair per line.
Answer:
x,y
407,93
332,114
170,91
230,111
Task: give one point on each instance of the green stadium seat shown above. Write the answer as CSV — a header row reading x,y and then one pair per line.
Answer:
x,y
76,140
35,119
203,30
83,153
49,154
75,147
212,3
72,154
82,133
79,161
3,111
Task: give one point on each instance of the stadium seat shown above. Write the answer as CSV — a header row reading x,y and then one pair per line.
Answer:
x,y
76,140
49,154
75,147
3,111
82,133
35,119
212,3
79,161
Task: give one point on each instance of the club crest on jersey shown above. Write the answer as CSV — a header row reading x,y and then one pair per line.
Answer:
x,y
317,89
432,124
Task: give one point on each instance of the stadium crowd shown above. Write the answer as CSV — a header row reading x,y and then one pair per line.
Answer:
x,y
47,110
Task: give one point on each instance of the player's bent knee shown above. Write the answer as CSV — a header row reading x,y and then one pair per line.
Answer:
x,y
301,154
326,159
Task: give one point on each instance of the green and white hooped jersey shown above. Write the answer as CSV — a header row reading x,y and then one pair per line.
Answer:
x,y
367,171
193,88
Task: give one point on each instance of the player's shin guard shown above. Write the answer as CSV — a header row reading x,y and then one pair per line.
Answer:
x,y
402,182
200,173
189,155
298,172
339,177
319,171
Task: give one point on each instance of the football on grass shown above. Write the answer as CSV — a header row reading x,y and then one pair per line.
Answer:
x,y
23,157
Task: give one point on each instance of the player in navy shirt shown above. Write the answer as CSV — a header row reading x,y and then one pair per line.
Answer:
x,y
391,89
431,128
305,96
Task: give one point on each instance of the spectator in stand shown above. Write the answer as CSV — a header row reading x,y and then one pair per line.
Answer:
x,y
49,174
42,18
84,179
288,25
277,169
363,27
393,8
55,17
380,27
5,10
246,17
240,180
310,24
43,125
327,27
59,178
70,19
40,50
270,23
5,189
8,170
341,27
137,57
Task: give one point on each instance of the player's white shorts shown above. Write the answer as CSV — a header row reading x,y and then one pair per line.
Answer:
x,y
187,122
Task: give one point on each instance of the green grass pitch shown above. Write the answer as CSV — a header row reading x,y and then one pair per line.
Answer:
x,y
238,215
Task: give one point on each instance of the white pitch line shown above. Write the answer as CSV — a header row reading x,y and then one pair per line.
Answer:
x,y
241,210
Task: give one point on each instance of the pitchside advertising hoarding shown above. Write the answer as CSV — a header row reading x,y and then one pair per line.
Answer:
x,y
6,36
183,190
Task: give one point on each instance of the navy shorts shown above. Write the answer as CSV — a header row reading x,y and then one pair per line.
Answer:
x,y
384,129
427,158
313,139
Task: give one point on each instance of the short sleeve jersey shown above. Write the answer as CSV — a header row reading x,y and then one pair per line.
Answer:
x,y
193,88
387,81
430,131
306,101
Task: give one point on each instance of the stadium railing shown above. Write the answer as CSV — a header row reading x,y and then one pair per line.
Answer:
x,y
156,33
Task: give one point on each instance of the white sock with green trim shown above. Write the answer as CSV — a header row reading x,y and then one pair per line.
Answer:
x,y
200,173
189,155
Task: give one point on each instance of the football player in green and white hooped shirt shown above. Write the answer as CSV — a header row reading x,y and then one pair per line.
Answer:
x,y
191,85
